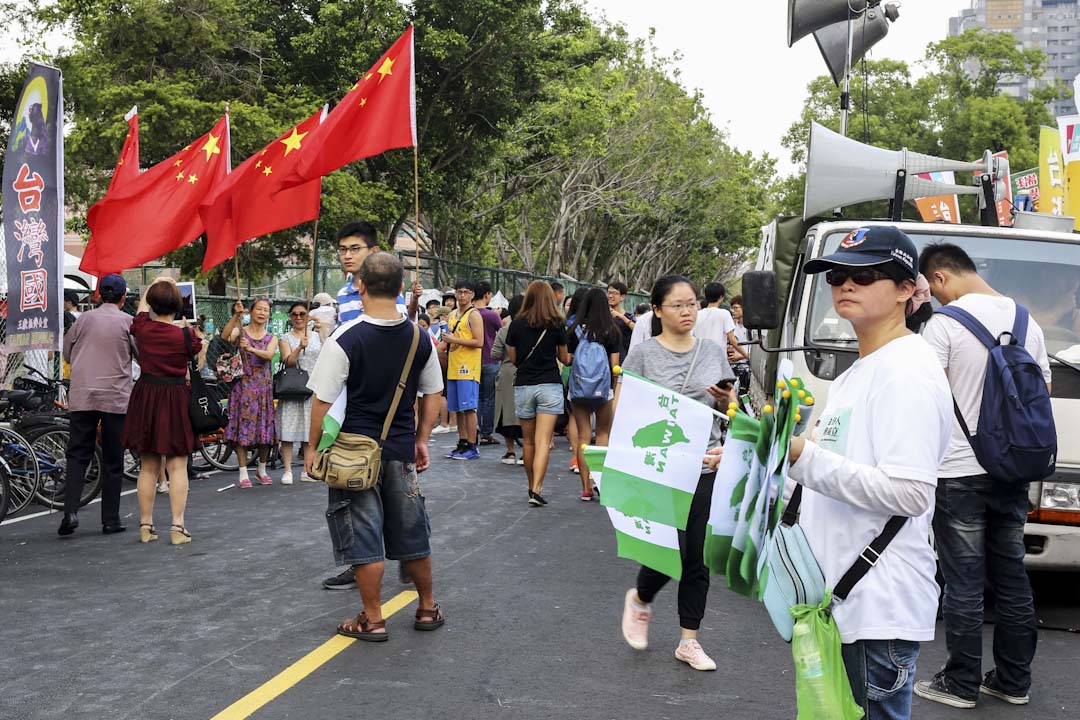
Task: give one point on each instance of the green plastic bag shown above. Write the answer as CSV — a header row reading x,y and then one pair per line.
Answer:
x,y
821,682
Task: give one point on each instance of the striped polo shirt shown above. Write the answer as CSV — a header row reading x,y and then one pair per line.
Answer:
x,y
350,306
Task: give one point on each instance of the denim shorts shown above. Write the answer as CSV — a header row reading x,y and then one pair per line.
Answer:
x,y
390,515
533,400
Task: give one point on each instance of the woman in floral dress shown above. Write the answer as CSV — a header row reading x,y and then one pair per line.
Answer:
x,y
251,401
299,348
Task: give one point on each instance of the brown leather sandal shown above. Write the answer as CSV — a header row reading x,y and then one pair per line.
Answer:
x,y
435,618
363,629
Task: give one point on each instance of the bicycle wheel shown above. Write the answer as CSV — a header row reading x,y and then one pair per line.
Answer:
x,y
132,465
218,452
50,446
24,473
5,492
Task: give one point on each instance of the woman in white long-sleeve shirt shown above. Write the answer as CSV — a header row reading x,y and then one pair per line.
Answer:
x,y
881,437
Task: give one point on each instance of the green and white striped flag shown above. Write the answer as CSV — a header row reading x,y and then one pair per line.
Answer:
x,y
332,422
730,486
653,462
651,543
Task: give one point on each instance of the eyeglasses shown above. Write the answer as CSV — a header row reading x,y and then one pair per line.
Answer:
x,y
352,249
298,314
680,308
860,276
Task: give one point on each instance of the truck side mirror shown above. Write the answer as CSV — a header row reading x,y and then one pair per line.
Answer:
x,y
761,309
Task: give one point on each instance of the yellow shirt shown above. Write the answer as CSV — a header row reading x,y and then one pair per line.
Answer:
x,y
463,362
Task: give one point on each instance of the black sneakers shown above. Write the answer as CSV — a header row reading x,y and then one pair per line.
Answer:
x,y
536,499
938,690
344,581
990,687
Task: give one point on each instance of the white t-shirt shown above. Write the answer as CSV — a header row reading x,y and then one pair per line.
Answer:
x,y
890,410
714,324
964,359
642,330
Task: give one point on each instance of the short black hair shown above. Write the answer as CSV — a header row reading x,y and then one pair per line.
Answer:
x,y
641,308
71,296
620,286
482,288
945,256
431,302
715,291
556,286
424,317
464,284
360,229
382,275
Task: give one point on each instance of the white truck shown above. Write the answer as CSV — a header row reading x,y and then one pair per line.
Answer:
x,y
1039,269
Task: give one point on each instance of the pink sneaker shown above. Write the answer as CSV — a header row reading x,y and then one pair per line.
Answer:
x,y
692,654
244,483
264,479
635,623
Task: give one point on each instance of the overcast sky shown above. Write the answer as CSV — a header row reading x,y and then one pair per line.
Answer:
x,y
736,53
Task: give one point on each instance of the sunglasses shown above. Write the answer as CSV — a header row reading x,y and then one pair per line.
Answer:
x,y
298,314
859,276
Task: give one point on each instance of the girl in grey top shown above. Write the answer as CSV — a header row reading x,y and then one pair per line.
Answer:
x,y
674,358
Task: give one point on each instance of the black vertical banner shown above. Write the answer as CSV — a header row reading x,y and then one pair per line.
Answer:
x,y
33,203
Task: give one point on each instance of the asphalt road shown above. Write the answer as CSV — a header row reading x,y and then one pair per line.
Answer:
x,y
103,627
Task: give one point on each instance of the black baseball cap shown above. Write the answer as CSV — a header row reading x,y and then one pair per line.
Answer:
x,y
875,245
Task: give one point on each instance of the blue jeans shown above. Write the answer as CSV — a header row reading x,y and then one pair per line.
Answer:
x,y
979,529
882,676
486,421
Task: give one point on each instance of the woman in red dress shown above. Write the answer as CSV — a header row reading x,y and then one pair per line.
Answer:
x,y
158,424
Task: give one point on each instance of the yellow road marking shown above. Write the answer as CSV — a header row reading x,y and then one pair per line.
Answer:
x,y
290,676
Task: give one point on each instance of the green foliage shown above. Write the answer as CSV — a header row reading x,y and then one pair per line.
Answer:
x,y
534,123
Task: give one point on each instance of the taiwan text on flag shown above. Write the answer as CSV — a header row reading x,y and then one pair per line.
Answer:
x,y
653,544
653,464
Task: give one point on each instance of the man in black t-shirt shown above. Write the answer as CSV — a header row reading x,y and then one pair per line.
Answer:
x,y
616,296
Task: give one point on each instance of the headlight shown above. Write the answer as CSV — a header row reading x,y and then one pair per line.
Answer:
x,y
1060,496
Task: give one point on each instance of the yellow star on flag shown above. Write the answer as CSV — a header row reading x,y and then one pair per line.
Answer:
x,y
366,77
211,147
363,102
385,69
293,142
180,176
258,163
267,170
192,178
121,161
178,163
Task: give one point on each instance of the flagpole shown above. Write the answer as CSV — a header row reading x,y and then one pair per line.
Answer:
x,y
416,199
314,240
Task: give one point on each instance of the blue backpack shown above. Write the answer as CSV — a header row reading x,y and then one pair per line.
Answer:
x,y
590,374
1016,440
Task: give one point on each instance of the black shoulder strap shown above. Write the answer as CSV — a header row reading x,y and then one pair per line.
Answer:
x,y
868,557
187,344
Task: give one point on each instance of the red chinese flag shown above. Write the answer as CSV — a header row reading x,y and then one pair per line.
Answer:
x,y
248,203
377,115
127,169
158,212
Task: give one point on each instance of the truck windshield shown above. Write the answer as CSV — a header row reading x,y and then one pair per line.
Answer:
x,y
1042,276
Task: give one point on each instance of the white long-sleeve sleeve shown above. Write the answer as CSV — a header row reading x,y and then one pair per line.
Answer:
x,y
862,486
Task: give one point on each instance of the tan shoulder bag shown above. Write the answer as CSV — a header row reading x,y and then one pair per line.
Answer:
x,y
353,461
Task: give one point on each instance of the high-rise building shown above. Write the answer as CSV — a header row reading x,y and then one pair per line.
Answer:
x,y
1052,26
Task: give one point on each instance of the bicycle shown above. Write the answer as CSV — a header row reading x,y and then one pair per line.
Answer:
x,y
50,446
5,491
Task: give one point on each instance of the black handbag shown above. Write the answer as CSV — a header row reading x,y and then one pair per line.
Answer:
x,y
290,383
206,412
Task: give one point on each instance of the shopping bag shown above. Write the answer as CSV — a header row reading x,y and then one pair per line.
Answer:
x,y
821,682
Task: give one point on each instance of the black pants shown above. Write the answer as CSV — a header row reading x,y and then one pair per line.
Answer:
x,y
694,585
80,450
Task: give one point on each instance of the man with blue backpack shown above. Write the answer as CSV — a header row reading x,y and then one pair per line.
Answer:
x,y
1003,438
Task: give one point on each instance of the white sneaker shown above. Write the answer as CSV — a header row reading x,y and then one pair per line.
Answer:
x,y
163,487
286,478
635,623
508,459
304,477
692,654
441,430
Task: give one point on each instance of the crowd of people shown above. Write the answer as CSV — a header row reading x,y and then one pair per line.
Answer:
x,y
549,363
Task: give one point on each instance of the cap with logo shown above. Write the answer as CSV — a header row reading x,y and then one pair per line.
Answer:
x,y
875,245
112,286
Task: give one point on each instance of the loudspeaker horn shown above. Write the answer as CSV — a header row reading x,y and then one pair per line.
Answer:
x,y
807,16
840,172
870,28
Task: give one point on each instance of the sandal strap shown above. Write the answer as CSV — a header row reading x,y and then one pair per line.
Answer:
x,y
434,613
181,529
365,625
